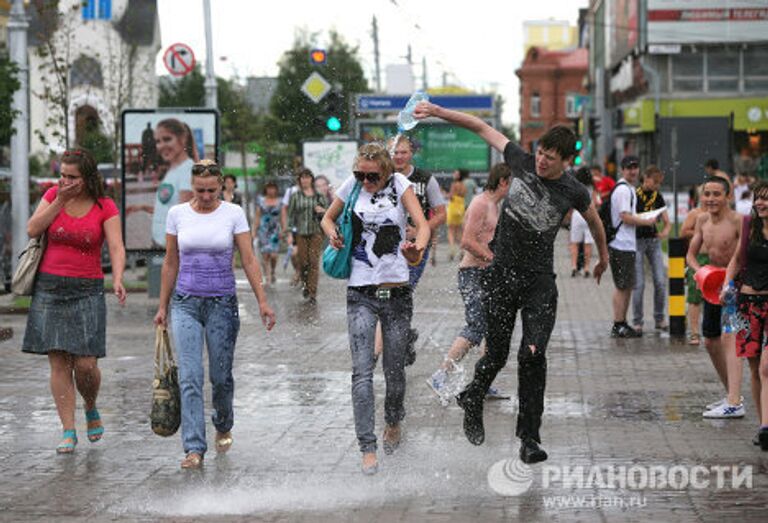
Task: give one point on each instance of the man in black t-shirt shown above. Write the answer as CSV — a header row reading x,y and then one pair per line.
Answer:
x,y
649,246
521,276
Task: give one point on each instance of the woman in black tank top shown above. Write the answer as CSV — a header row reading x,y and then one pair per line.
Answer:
x,y
750,263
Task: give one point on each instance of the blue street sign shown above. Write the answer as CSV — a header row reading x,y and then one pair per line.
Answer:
x,y
373,104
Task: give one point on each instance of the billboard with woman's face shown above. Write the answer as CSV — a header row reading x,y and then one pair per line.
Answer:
x,y
158,151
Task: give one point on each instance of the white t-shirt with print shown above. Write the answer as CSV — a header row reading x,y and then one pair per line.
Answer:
x,y
377,258
623,200
176,180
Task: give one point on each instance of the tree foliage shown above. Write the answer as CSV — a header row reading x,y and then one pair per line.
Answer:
x,y
187,91
294,116
9,84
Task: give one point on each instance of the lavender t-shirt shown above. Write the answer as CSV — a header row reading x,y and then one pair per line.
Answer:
x,y
206,243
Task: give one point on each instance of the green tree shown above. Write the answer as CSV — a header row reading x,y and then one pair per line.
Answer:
x,y
9,83
294,116
187,91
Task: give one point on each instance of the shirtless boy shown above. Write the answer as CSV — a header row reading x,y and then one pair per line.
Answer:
x,y
717,233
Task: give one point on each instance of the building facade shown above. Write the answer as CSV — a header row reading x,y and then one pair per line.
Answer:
x,y
552,91
106,51
551,35
678,82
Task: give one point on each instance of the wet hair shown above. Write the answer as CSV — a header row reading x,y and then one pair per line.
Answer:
x,y
718,179
500,171
93,183
404,138
584,175
463,174
561,139
376,152
303,171
182,131
267,185
712,163
759,190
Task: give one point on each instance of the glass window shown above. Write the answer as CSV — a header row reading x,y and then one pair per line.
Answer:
x,y
688,72
755,68
755,63
688,64
535,105
85,71
570,106
722,70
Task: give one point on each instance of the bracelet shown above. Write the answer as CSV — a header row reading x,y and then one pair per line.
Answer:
x,y
417,262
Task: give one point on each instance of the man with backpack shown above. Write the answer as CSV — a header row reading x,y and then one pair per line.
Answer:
x,y
620,231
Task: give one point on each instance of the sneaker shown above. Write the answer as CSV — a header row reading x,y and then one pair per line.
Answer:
x,y
587,274
495,394
410,349
725,411
662,327
622,330
574,273
436,382
721,402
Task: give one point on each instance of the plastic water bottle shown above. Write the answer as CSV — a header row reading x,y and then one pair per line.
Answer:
x,y
405,120
729,318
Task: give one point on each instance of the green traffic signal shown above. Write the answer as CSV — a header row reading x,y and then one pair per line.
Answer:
x,y
333,124
577,160
579,145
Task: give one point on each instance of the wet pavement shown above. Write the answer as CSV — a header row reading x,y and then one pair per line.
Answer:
x,y
612,406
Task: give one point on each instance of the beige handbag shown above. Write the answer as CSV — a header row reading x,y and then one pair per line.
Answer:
x,y
23,281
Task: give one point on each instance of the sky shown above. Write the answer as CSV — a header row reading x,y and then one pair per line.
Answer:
x,y
478,44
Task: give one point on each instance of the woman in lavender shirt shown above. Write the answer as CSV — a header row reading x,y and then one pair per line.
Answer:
x,y
200,240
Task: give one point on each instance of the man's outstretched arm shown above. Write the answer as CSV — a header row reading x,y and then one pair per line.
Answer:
x,y
493,137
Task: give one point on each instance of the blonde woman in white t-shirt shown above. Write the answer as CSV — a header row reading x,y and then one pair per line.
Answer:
x,y
378,289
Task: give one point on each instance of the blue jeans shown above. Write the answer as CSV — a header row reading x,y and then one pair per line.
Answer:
x,y
215,319
415,273
472,293
363,312
649,248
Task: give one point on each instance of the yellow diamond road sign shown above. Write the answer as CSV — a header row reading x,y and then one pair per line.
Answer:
x,y
315,87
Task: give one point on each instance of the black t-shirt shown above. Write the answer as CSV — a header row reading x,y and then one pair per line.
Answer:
x,y
647,201
531,214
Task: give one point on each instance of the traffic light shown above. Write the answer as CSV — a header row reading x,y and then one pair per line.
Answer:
x,y
333,114
577,158
318,57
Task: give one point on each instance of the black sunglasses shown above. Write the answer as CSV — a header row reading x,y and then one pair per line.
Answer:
x,y
199,169
361,176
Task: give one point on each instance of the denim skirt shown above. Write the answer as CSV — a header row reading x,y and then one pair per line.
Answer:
x,y
67,314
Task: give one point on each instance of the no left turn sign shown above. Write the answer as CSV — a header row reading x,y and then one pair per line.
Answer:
x,y
179,59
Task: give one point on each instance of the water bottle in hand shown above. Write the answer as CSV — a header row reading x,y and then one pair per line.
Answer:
x,y
405,120
729,318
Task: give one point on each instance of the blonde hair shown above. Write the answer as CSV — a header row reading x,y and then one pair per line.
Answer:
x,y
378,153
207,167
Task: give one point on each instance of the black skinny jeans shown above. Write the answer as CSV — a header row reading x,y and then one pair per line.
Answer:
x,y
535,296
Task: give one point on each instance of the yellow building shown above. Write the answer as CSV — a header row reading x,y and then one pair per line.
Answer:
x,y
553,35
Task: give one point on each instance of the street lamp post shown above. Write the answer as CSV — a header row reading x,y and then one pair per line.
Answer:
x,y
17,40
210,78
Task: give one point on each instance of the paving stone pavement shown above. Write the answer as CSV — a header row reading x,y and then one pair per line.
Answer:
x,y
611,405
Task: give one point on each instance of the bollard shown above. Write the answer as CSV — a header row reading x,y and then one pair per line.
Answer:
x,y
677,251
154,275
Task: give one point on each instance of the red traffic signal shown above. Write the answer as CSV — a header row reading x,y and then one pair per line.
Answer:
x,y
317,57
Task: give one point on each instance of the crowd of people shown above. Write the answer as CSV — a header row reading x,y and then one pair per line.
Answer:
x,y
506,235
